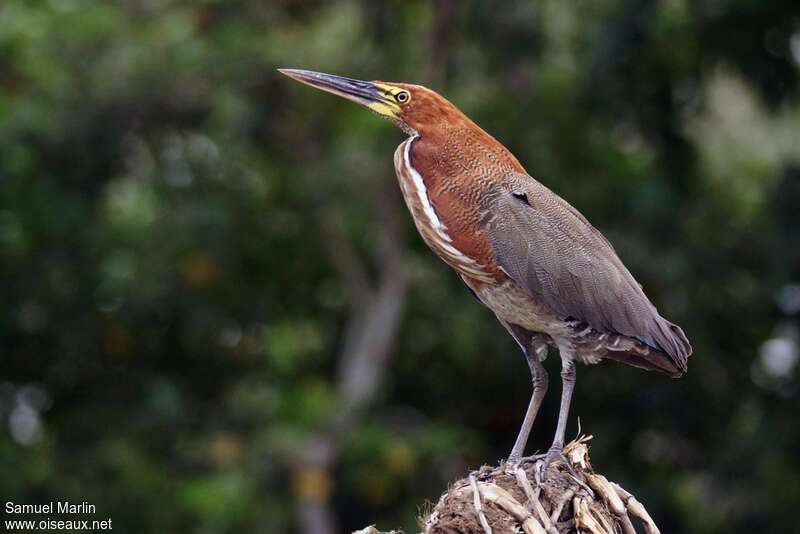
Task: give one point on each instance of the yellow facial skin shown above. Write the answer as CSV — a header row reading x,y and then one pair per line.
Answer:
x,y
389,106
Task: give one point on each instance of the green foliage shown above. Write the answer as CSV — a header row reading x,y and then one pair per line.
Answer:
x,y
171,317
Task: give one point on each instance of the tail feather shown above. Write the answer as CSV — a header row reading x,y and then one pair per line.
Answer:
x,y
669,340
654,361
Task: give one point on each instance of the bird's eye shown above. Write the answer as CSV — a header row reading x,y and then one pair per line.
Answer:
x,y
402,97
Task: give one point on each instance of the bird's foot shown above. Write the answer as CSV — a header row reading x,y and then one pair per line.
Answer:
x,y
519,461
555,457
513,465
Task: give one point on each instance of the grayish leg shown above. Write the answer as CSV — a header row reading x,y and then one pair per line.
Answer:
x,y
567,385
539,377
535,348
556,451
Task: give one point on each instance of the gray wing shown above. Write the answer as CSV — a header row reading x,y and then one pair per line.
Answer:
x,y
550,249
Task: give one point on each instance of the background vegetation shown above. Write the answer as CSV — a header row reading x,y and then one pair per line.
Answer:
x,y
217,317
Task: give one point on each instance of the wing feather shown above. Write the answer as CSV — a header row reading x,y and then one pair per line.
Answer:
x,y
551,250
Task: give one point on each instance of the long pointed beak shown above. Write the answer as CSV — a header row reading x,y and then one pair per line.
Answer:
x,y
357,90
365,93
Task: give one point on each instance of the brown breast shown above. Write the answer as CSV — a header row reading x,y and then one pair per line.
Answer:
x,y
443,176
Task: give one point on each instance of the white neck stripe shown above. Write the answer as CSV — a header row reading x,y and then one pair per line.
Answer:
x,y
422,192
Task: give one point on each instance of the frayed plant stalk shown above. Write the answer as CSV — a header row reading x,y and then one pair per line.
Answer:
x,y
524,499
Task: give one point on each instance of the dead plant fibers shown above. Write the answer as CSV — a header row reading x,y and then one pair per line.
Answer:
x,y
521,499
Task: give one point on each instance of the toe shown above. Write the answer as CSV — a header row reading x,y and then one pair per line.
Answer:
x,y
556,456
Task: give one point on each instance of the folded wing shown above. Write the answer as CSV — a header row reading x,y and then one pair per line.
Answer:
x,y
551,250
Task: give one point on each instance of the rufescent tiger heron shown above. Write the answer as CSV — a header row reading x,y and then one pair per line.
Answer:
x,y
548,275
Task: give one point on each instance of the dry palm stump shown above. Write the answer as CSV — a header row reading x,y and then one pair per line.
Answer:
x,y
522,499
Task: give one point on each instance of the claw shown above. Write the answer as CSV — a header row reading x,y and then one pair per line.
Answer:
x,y
556,454
513,464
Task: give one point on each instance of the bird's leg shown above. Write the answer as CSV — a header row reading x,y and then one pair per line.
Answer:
x,y
539,378
567,386
556,451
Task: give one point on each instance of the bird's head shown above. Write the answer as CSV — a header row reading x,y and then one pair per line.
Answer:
x,y
413,108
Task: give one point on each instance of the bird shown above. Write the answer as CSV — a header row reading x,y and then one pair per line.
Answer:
x,y
549,276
